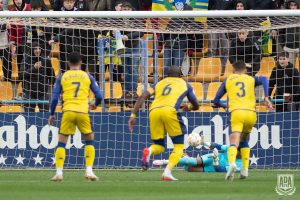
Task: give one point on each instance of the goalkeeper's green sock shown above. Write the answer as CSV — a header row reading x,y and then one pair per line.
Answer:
x,y
188,161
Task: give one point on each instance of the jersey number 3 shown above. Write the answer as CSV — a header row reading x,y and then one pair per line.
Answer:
x,y
166,91
242,92
77,88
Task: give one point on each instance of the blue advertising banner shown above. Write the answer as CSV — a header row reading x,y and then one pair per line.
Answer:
x,y
27,141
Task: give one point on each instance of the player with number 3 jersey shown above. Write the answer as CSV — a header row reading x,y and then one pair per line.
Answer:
x,y
165,118
240,89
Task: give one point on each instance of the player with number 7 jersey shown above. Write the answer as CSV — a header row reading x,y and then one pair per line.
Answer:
x,y
74,85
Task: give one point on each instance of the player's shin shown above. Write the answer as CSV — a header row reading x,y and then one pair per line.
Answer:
x,y
245,154
60,156
175,157
155,149
89,154
232,152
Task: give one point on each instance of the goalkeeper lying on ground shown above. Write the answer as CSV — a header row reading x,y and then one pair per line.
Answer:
x,y
213,162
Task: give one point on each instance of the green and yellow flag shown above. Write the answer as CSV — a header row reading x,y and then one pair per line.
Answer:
x,y
164,5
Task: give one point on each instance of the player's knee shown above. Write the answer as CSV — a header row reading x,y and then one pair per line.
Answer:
x,y
61,144
178,139
244,144
88,137
160,142
89,142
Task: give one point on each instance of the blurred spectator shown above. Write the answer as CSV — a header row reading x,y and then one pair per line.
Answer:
x,y
4,49
39,71
218,43
246,49
262,4
41,34
38,5
240,5
17,33
87,43
99,5
136,4
131,59
4,5
290,37
175,45
68,38
286,79
17,39
221,4
118,5
57,5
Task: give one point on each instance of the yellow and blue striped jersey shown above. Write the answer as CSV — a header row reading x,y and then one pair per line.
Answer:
x,y
171,91
240,89
75,86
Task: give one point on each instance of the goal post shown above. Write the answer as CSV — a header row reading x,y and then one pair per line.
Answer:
x,y
127,52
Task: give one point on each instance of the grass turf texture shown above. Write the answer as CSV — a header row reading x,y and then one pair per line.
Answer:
x,y
134,184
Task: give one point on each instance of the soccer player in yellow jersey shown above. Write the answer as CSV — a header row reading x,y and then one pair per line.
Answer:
x,y
74,85
240,89
164,118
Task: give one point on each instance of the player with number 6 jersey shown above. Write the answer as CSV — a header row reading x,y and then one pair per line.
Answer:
x,y
165,118
74,85
240,89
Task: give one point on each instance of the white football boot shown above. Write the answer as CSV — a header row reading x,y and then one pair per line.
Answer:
x,y
230,173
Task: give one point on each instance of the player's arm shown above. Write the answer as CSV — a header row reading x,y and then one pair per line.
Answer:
x,y
262,80
192,98
146,95
221,92
96,90
54,101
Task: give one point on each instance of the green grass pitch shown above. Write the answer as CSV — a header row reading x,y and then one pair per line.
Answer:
x,y
137,185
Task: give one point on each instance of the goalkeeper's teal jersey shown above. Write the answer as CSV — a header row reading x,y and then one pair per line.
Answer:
x,y
208,164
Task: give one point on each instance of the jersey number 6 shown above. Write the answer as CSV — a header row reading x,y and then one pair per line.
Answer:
x,y
77,88
166,91
242,88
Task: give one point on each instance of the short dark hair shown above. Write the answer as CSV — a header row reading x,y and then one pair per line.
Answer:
x,y
239,65
119,2
283,54
127,4
35,4
74,58
174,71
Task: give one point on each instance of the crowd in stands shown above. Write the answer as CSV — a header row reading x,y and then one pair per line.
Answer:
x,y
30,47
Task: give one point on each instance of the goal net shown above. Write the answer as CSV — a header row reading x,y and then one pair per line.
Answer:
x,y
128,52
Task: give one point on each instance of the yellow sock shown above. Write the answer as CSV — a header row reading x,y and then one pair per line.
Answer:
x,y
245,154
175,156
232,151
89,154
60,156
156,149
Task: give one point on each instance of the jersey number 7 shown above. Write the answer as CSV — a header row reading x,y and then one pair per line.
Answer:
x,y
77,88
